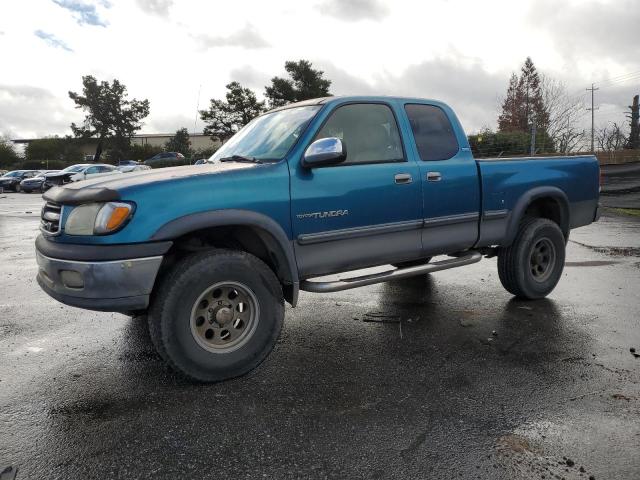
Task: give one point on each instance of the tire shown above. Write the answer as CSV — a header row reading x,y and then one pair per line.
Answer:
x,y
18,188
204,330
532,266
412,263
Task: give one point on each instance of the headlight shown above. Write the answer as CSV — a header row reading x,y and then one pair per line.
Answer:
x,y
98,218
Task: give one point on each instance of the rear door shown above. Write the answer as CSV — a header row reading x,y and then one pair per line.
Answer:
x,y
449,178
365,211
91,171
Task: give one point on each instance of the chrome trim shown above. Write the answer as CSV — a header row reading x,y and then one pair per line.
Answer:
x,y
356,232
464,258
451,219
434,176
403,178
51,206
494,214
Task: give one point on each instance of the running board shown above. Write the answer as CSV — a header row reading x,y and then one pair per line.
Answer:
x,y
461,259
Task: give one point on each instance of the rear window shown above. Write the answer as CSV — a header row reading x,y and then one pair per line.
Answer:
x,y
432,131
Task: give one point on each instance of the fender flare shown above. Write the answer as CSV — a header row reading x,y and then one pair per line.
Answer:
x,y
235,217
529,197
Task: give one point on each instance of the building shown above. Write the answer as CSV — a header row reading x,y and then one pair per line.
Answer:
x,y
199,141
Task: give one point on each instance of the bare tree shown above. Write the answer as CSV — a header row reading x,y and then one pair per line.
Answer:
x,y
610,137
565,112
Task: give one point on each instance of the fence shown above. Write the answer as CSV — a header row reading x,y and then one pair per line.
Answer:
x,y
618,156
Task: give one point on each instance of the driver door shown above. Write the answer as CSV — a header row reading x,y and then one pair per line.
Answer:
x,y
362,212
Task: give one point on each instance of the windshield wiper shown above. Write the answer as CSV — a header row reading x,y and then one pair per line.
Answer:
x,y
240,158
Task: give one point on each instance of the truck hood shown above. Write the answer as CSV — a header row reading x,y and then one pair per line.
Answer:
x,y
107,188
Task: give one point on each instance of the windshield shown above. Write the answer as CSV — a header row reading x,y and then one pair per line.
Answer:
x,y
15,173
73,169
268,137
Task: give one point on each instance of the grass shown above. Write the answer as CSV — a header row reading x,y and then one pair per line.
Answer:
x,y
631,212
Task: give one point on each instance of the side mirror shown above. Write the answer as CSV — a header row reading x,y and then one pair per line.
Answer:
x,y
323,152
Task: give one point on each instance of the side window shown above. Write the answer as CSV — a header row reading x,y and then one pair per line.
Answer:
x,y
105,169
432,132
369,132
91,170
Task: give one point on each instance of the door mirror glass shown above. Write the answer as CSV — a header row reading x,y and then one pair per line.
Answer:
x,y
326,151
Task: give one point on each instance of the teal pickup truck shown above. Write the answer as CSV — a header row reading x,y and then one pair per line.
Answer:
x,y
211,252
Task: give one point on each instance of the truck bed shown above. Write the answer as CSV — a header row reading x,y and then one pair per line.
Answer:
x,y
509,184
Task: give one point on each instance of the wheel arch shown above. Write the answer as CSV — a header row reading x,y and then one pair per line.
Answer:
x,y
542,202
256,233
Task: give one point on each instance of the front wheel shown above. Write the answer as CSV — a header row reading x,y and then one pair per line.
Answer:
x,y
217,315
532,266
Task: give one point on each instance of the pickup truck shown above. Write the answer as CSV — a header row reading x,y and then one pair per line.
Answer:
x,y
210,253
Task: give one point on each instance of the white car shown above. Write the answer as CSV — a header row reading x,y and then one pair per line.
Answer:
x,y
81,171
133,168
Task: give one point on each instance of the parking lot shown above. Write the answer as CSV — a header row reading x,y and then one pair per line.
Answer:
x,y
438,376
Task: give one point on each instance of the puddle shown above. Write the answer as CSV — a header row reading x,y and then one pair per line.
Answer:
x,y
590,263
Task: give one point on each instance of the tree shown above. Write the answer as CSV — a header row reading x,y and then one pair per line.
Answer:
x,y
63,150
224,118
565,112
179,143
634,124
499,144
110,116
524,102
8,155
610,137
143,152
305,83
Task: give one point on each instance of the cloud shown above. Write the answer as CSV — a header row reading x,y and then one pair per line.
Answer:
x,y
52,40
83,13
468,88
590,28
353,10
249,77
33,111
155,7
247,37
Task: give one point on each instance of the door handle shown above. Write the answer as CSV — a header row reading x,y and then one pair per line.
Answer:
x,y
403,178
434,176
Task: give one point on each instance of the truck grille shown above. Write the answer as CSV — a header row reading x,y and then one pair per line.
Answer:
x,y
50,218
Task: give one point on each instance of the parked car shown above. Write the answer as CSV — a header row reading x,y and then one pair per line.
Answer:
x,y
122,163
168,158
35,184
81,171
210,253
2,172
10,181
133,168
200,161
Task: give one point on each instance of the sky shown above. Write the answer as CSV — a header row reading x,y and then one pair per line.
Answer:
x,y
181,53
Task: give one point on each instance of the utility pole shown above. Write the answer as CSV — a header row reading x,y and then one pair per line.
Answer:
x,y
593,109
533,136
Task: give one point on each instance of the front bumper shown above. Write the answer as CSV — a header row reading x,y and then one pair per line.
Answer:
x,y
121,285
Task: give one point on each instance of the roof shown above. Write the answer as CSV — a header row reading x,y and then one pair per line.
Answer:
x,y
355,98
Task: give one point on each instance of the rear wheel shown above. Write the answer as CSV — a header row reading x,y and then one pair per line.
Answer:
x,y
18,188
217,315
532,266
412,263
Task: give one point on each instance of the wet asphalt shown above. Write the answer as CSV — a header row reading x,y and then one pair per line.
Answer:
x,y
439,376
